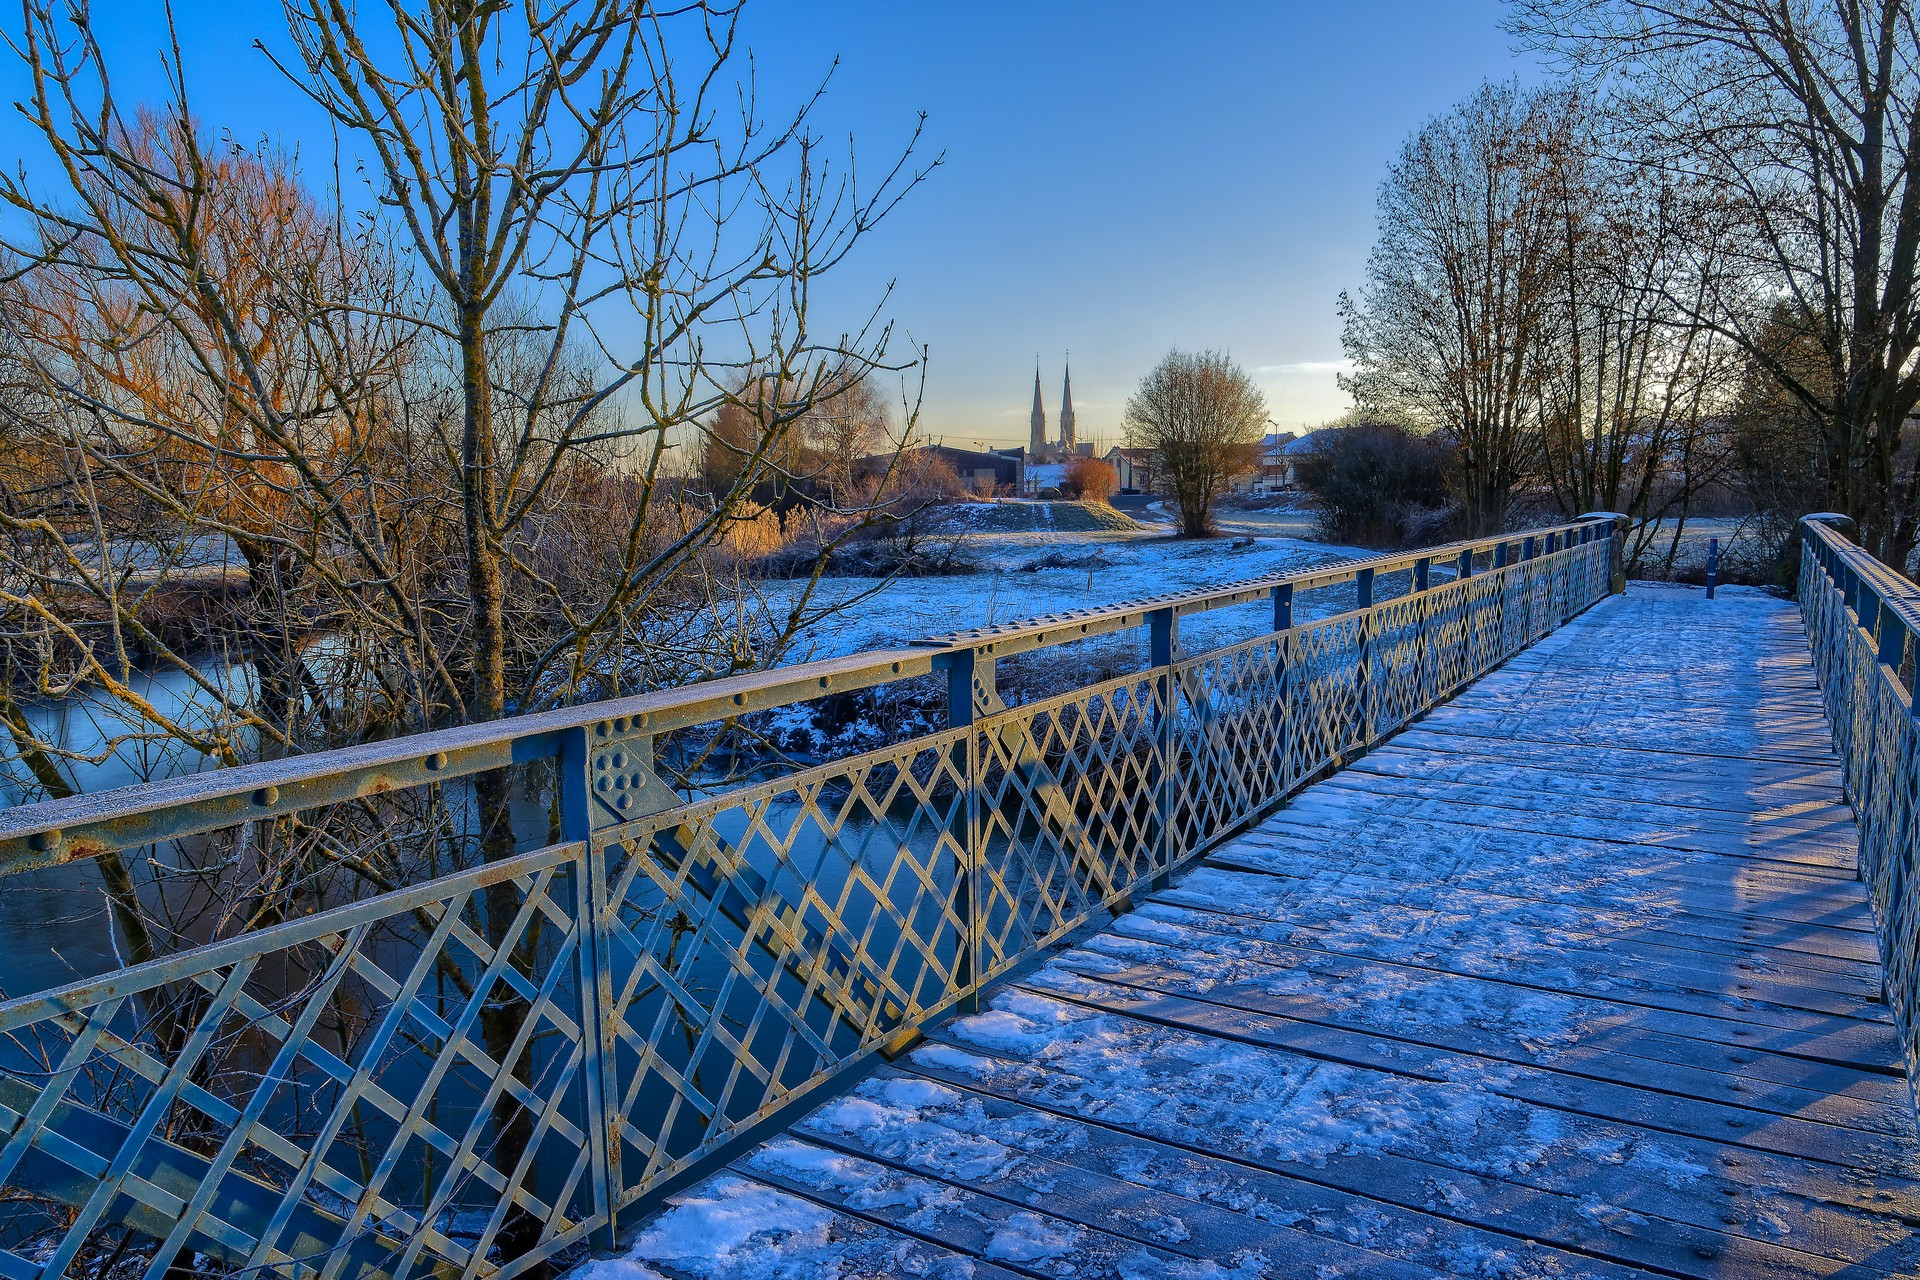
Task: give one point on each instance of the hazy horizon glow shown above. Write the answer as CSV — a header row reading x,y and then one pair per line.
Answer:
x,y
1115,183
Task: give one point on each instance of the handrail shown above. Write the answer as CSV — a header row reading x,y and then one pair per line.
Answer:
x,y
55,831
568,1033
1863,624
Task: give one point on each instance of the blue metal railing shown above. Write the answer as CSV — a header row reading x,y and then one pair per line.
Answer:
x,y
1862,620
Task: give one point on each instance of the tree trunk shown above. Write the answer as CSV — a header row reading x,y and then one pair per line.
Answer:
x,y
507,1011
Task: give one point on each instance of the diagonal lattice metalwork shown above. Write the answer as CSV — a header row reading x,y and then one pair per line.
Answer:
x,y
763,940
1069,798
382,1090
1861,622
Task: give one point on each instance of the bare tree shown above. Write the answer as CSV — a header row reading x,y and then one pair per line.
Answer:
x,y
1803,119
1633,389
1202,417
818,454
1447,330
440,432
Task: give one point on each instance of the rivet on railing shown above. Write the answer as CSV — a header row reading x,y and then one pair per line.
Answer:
x,y
437,761
267,796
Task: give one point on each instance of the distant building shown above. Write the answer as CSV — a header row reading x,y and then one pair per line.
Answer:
x,y
1276,466
1294,452
1136,469
1041,452
1045,477
999,470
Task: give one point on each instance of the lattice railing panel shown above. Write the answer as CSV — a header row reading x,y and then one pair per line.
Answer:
x,y
1871,710
762,941
1233,740
389,1089
1397,662
1070,793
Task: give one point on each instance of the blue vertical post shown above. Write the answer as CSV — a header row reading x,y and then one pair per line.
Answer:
x,y
1500,604
1892,638
607,777
970,690
1422,609
1363,595
1463,570
578,818
1283,607
1713,565
1529,548
1163,641
1283,686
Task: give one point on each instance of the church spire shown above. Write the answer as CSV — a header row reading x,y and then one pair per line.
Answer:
x,y
1066,410
1038,422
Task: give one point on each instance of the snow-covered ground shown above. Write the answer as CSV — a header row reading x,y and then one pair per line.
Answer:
x,y
1108,566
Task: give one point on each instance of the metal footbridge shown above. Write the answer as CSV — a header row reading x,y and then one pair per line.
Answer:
x,y
1466,914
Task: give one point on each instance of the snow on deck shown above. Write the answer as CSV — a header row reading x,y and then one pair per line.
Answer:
x,y
1573,978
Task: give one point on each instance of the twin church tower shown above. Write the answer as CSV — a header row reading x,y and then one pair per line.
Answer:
x,y
1039,446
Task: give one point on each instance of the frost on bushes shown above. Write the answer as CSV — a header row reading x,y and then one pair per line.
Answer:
x,y
1381,485
847,724
1097,558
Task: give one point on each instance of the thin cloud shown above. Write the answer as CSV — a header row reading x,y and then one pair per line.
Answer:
x,y
1306,366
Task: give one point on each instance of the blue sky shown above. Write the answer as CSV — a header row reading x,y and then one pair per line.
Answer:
x,y
1120,178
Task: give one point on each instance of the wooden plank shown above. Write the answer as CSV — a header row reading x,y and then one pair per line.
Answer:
x,y
969,1192
1125,1183
1801,747
756,1228
1621,1219
1177,927
1552,869
1794,840
1488,936
1351,899
1535,960
1814,946
1834,1094
1813,859
1620,1089
1030,1241
1250,1099
1789,864
1526,780
1448,1196
1637,762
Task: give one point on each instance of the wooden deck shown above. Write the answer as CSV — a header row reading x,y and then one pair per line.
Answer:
x,y
1573,978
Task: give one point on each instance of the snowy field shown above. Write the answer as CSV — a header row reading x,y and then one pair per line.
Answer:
x,y
1107,566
